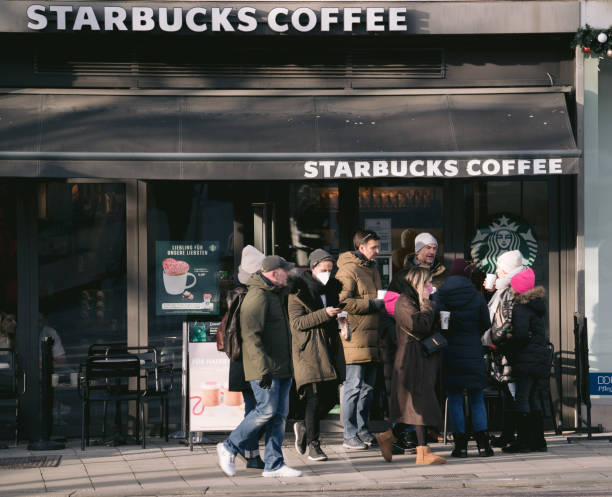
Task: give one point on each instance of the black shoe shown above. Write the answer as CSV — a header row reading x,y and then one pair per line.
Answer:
x,y
397,450
255,463
537,442
408,442
300,437
521,445
368,439
461,441
484,446
502,441
315,453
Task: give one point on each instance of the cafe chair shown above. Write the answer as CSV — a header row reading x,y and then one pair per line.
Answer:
x,y
111,378
159,381
9,383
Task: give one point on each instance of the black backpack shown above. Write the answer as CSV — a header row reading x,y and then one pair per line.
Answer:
x,y
229,338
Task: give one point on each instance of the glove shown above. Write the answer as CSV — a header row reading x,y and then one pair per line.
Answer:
x,y
376,305
266,381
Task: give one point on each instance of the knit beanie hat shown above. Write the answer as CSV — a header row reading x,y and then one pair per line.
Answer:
x,y
523,281
461,267
423,240
250,263
509,261
317,256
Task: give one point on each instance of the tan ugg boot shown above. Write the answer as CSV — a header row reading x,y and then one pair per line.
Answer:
x,y
385,441
425,456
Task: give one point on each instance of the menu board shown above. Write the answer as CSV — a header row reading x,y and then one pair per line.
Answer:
x,y
187,277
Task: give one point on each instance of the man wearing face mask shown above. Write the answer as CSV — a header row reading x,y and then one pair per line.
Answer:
x,y
313,307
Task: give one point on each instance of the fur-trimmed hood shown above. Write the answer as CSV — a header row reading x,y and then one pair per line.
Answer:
x,y
534,298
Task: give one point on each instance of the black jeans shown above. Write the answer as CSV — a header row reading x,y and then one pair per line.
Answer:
x,y
317,401
526,399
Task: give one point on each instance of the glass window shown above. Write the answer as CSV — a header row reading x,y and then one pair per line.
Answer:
x,y
525,227
313,220
398,214
82,281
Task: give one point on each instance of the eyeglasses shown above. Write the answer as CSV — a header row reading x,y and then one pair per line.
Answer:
x,y
369,236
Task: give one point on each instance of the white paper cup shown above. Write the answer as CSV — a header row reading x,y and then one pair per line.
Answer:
x,y
380,294
74,379
444,319
490,281
54,380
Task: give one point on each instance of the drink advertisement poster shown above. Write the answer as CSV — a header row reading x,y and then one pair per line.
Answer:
x,y
187,277
212,407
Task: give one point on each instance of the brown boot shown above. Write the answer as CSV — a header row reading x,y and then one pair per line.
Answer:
x,y
425,456
385,441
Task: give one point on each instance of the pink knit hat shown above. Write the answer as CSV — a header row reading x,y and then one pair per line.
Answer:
x,y
523,281
390,299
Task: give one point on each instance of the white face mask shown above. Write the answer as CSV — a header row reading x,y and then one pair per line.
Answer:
x,y
323,277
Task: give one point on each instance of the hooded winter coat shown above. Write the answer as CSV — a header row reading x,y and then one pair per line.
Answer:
x,y
413,386
463,364
266,339
315,337
527,348
360,283
437,271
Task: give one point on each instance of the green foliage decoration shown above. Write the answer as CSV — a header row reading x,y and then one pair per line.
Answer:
x,y
586,37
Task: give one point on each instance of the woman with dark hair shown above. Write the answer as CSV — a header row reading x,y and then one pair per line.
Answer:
x,y
413,386
463,364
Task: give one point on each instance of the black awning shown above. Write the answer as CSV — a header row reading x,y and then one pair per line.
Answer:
x,y
285,137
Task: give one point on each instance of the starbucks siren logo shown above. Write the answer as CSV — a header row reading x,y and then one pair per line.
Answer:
x,y
506,232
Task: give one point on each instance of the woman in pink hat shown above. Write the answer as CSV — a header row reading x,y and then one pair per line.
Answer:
x,y
526,347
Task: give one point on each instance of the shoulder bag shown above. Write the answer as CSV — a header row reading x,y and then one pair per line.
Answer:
x,y
430,345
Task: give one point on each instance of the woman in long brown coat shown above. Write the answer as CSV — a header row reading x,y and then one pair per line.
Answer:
x,y
413,387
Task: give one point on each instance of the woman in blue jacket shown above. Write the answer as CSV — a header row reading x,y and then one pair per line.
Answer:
x,y
463,364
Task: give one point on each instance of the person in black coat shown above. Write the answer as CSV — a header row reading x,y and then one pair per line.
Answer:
x,y
526,347
463,364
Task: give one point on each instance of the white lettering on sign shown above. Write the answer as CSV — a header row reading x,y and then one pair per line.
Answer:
x,y
431,168
216,19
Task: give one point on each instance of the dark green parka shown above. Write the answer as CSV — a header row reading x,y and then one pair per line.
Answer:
x,y
266,339
315,338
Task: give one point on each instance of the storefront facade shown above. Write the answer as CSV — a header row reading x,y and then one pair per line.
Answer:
x,y
459,119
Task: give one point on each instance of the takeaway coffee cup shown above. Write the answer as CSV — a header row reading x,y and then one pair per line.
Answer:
x,y
232,398
211,393
490,281
444,319
380,294
175,284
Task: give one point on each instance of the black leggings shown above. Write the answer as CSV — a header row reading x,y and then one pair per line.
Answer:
x,y
318,399
421,432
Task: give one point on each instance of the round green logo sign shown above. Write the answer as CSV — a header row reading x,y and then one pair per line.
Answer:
x,y
505,232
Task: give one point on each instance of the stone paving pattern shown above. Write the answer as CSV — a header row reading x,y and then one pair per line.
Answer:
x,y
164,469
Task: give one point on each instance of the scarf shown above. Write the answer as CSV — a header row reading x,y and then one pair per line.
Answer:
x,y
501,286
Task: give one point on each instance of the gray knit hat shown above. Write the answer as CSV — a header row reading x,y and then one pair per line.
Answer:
x,y
317,256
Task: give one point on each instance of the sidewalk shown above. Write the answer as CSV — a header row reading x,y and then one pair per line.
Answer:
x,y
165,469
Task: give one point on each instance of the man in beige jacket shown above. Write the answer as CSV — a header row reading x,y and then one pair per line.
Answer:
x,y
358,273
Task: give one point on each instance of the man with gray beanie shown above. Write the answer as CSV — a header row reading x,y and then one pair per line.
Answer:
x,y
425,251
313,307
266,356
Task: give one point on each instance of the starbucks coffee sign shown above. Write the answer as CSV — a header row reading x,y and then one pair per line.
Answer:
x,y
504,233
201,18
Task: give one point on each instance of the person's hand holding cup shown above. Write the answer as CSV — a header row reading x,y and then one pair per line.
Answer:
x,y
489,282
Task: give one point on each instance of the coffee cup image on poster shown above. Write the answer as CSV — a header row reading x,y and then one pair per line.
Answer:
x,y
212,406
187,277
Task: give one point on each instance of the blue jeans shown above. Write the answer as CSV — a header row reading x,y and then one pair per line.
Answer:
x,y
269,414
357,397
477,407
249,404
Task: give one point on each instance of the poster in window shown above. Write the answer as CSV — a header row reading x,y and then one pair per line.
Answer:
x,y
187,277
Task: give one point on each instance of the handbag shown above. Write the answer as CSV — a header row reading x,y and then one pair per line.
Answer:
x,y
430,345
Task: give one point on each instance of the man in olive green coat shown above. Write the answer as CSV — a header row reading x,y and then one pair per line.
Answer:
x,y
266,354
358,273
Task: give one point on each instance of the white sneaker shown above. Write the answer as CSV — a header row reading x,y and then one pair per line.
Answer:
x,y
226,460
283,472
